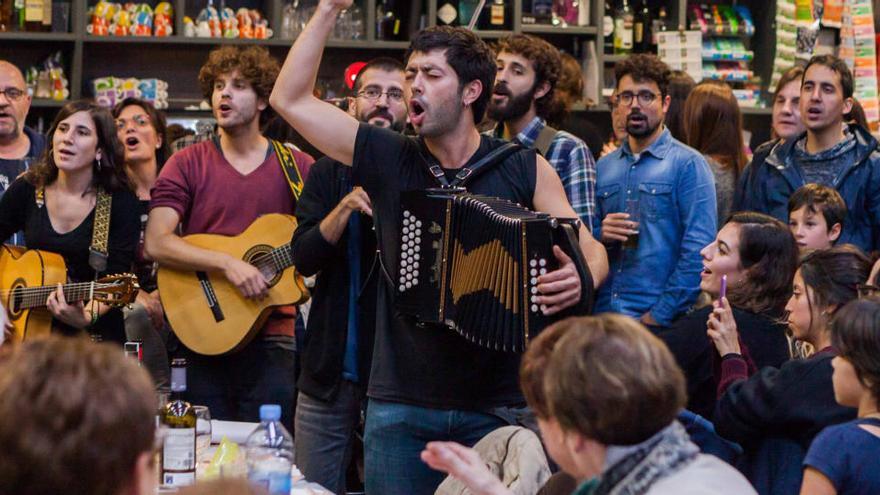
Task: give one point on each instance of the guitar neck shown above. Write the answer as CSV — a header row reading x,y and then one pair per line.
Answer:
x,y
276,260
35,297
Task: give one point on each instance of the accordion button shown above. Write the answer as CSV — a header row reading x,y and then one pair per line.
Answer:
x,y
534,290
543,271
415,273
418,223
405,213
543,307
533,263
418,248
533,299
418,231
416,265
534,308
403,279
408,285
533,272
534,280
402,288
416,256
542,262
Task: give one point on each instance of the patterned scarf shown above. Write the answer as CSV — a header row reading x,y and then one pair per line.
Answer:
x,y
642,465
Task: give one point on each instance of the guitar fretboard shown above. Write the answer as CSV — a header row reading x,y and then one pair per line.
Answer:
x,y
35,297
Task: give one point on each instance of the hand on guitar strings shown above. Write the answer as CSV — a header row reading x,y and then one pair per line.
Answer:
x,y
246,278
560,288
72,314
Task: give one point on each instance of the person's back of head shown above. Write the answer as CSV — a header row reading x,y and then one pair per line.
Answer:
x,y
680,86
712,124
604,376
833,275
76,418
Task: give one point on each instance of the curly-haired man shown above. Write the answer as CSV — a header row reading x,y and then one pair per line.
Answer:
x,y
655,204
220,186
528,69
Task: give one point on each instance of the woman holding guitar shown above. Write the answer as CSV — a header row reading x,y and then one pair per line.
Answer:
x,y
140,129
55,205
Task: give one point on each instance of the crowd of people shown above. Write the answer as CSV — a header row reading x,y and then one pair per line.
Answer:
x,y
736,343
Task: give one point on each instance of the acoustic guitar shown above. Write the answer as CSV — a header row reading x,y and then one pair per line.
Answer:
x,y
27,277
209,314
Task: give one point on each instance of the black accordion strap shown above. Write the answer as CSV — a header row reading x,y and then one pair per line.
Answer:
x,y
494,157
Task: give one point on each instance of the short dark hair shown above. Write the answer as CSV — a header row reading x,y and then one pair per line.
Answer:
x,y
769,254
468,55
680,86
644,67
606,373
818,198
545,60
157,119
75,417
795,73
855,333
110,175
386,64
837,65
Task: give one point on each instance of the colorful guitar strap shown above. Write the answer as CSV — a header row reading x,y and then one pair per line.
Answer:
x,y
288,165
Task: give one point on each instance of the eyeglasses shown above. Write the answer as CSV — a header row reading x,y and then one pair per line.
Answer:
x,y
373,94
867,290
139,120
645,97
12,94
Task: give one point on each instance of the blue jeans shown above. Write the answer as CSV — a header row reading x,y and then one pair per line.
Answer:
x,y
397,433
324,434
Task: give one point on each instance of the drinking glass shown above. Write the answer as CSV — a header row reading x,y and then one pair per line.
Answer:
x,y
632,207
203,430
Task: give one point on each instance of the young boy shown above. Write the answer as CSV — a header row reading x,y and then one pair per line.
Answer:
x,y
815,216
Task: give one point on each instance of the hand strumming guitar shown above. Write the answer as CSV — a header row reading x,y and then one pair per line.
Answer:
x,y
246,278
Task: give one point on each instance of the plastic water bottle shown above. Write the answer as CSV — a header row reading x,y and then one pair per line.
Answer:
x,y
269,452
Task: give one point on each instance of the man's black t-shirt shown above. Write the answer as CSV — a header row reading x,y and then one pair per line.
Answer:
x,y
431,365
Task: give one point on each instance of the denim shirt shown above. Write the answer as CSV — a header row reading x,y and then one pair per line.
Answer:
x,y
675,190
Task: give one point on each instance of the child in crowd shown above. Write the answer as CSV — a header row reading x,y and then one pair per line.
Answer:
x,y
815,216
842,459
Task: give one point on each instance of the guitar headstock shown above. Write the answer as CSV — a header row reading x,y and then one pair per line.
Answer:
x,y
117,290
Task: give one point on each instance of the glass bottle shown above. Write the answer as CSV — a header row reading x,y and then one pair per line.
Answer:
x,y
178,420
623,29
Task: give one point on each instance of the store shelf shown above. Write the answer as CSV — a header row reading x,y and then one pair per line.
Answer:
x,y
24,36
47,103
756,111
569,30
492,34
184,40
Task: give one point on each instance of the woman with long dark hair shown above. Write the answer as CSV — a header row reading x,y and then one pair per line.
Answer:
x,y
54,204
776,412
142,131
758,255
713,126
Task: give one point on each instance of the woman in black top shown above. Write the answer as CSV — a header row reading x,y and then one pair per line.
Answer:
x,y
54,203
759,256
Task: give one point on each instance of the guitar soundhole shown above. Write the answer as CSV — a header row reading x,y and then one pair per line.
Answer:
x,y
16,299
258,256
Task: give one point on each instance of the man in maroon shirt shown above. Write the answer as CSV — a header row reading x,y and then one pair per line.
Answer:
x,y
221,186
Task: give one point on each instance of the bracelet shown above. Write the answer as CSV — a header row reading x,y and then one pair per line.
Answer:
x,y
95,317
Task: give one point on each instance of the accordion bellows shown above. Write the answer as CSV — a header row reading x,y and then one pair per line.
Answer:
x,y
472,263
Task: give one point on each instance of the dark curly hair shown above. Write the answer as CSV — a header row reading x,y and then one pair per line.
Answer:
x,y
254,63
644,67
468,55
545,61
110,175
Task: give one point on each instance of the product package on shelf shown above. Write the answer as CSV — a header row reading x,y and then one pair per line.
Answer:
x,y
130,19
47,80
227,23
111,90
859,15
682,50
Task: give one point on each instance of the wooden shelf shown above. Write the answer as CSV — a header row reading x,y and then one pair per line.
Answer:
x,y
25,36
560,30
212,42
48,103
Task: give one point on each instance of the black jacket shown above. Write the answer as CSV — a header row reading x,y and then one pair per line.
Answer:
x,y
327,328
694,351
793,402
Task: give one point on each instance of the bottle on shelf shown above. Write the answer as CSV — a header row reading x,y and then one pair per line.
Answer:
x,y
608,28
33,15
269,451
388,22
178,420
658,25
542,11
499,16
642,28
623,29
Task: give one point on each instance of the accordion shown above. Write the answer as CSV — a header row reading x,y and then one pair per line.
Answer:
x,y
472,262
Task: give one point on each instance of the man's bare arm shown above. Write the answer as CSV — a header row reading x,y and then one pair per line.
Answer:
x,y
325,126
161,243
550,198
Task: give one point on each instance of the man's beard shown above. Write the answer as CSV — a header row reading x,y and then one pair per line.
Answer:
x,y
640,130
393,124
516,107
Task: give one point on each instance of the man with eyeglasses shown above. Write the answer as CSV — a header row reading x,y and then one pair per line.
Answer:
x,y
335,241
656,204
19,145
522,99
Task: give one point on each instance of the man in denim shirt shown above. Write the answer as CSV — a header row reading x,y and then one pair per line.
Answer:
x,y
656,199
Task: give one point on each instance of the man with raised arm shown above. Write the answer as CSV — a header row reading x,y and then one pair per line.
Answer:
x,y
427,382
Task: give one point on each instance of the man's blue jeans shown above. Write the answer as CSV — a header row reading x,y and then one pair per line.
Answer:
x,y
397,433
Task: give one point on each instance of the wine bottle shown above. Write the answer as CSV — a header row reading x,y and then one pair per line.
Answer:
x,y
33,15
659,25
608,28
498,16
642,28
178,419
388,22
623,30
